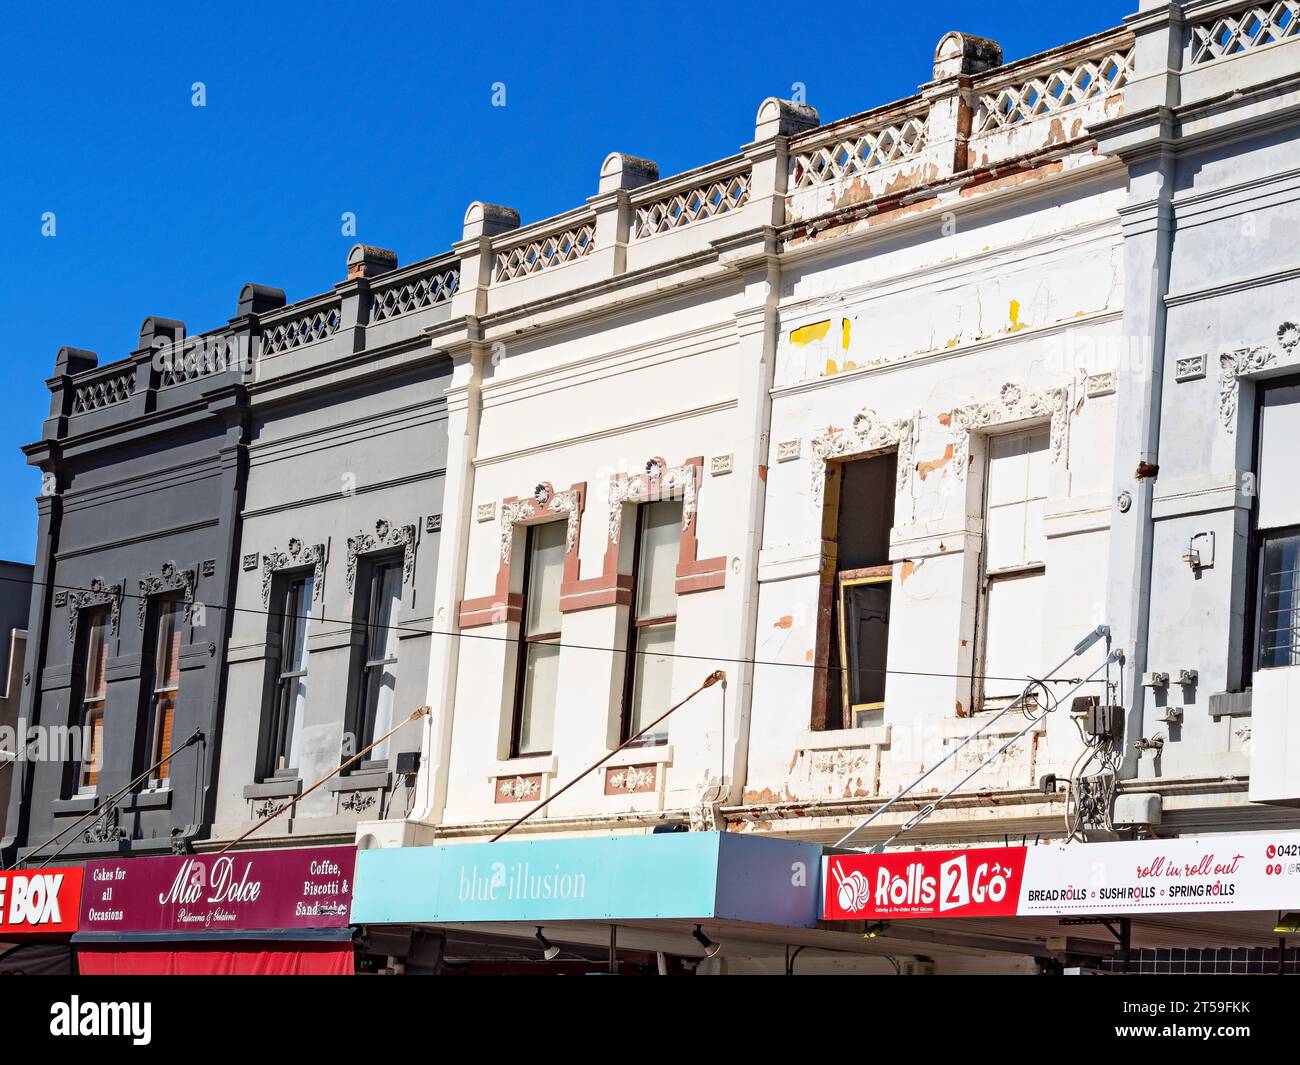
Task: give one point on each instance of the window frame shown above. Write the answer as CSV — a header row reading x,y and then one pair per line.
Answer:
x,y
369,669
526,642
279,734
157,781
637,625
990,577
855,578
1262,540
86,629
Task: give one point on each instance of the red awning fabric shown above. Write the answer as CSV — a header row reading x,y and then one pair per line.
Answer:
x,y
218,959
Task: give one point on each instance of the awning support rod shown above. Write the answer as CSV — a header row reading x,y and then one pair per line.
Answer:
x,y
709,681
416,714
1101,632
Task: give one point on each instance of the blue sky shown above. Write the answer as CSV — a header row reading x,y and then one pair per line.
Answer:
x,y
386,111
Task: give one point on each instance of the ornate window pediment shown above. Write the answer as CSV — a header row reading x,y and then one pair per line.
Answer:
x,y
170,579
543,500
386,535
867,432
99,593
1236,363
658,482
1015,403
296,555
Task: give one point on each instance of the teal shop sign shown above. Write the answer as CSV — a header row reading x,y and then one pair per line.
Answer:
x,y
679,875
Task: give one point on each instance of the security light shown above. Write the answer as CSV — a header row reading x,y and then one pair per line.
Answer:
x,y
1287,923
549,950
711,949
875,930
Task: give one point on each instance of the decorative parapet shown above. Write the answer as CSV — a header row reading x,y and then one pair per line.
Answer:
x,y
201,356
1251,27
1047,100
110,385
662,213
856,151
554,248
299,328
415,289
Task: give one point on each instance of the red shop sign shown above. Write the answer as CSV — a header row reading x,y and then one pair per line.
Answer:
x,y
308,887
39,900
967,883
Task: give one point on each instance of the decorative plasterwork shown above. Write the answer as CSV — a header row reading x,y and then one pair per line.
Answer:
x,y
98,594
297,555
1242,362
386,535
518,788
1014,404
868,432
170,579
655,484
544,499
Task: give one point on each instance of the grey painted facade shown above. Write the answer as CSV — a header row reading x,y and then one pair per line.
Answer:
x,y
142,469
347,454
1211,142
15,602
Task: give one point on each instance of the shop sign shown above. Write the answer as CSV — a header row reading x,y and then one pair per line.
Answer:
x,y
39,901
1202,874
308,887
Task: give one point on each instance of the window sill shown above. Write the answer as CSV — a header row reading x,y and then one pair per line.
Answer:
x,y
363,780
657,753
78,804
150,799
525,766
840,739
273,788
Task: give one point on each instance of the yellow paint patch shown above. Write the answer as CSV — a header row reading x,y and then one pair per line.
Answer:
x,y
831,367
845,327
806,334
1016,324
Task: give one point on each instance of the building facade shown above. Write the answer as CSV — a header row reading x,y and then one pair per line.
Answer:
x,y
913,478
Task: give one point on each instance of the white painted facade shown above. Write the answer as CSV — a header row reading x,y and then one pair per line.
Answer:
x,y
962,279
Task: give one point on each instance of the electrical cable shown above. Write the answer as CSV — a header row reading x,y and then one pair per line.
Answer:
x,y
462,635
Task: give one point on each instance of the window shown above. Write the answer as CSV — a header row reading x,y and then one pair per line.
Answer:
x,y
652,630
94,692
168,627
539,644
379,669
290,694
853,613
1014,573
1276,537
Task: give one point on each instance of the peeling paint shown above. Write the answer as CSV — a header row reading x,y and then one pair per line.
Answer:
x,y
806,334
845,328
928,466
786,621
906,570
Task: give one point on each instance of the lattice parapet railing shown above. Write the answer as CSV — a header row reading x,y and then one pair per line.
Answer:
x,y
1051,92
115,387
1244,30
431,286
300,330
675,210
550,249
200,356
858,151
